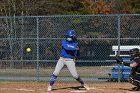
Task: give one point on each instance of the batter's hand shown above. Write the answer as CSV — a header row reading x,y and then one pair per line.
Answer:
x,y
119,59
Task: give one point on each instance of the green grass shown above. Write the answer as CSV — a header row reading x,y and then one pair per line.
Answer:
x,y
84,71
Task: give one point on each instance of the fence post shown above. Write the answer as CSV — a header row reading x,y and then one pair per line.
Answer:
x,y
37,44
119,46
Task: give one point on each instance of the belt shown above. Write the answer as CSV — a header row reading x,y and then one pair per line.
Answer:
x,y
67,58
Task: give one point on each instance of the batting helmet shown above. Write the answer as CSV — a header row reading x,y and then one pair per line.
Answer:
x,y
71,36
71,33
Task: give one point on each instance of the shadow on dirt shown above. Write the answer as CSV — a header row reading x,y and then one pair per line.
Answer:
x,y
131,89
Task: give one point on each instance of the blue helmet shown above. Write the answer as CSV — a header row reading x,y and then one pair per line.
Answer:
x,y
71,33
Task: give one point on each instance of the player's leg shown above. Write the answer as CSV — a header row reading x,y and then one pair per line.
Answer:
x,y
71,67
52,80
135,80
56,72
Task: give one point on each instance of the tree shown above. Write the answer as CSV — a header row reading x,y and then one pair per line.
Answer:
x,y
102,7
66,7
116,7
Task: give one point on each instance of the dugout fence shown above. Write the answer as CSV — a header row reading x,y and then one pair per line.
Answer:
x,y
43,34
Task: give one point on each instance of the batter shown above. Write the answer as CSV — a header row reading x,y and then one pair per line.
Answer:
x,y
69,51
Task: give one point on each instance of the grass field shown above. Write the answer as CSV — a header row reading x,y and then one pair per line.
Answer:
x,y
84,71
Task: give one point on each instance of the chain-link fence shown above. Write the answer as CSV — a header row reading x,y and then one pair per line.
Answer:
x,y
97,35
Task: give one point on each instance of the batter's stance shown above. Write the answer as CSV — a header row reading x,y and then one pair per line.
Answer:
x,y
69,51
134,77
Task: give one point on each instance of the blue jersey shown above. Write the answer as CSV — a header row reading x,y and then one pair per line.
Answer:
x,y
69,49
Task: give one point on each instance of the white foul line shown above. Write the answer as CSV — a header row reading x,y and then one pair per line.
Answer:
x,y
22,89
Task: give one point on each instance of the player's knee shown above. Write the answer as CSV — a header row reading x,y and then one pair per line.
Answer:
x,y
134,81
56,73
75,76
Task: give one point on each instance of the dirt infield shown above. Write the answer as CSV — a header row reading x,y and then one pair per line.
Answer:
x,y
41,87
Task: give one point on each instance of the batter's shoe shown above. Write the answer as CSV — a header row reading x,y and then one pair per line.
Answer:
x,y
49,88
135,89
84,86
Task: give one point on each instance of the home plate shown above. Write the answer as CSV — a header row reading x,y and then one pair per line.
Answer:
x,y
78,91
93,88
90,88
